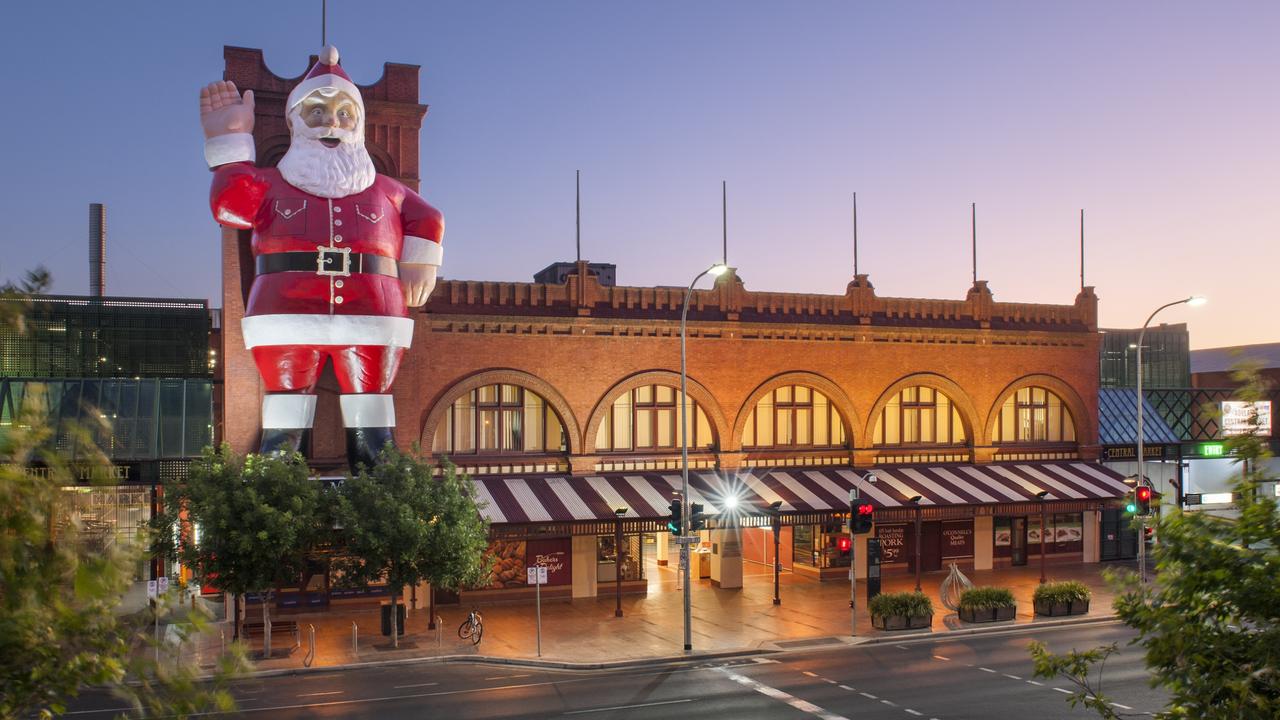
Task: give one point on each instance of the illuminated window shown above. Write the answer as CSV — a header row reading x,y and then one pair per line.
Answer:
x,y
647,419
794,416
1034,414
919,416
499,419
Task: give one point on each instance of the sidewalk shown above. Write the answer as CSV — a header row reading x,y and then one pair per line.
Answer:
x,y
586,631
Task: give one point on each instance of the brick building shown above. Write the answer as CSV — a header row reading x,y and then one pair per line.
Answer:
x,y
562,401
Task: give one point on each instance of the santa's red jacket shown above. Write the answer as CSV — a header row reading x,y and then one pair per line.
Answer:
x,y
332,303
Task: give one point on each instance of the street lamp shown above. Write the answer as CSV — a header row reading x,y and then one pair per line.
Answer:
x,y
714,271
618,513
775,520
1042,495
915,500
1193,301
870,477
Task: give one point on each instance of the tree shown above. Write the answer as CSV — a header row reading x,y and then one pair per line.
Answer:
x,y
403,525
61,586
258,518
1210,625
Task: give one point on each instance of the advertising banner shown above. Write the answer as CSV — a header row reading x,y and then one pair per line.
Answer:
x,y
957,539
556,555
1242,418
893,543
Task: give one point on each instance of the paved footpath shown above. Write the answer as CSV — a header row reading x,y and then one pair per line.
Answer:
x,y
585,632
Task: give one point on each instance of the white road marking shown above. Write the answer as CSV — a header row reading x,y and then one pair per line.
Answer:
x,y
1037,684
402,687
913,712
846,687
889,703
629,707
806,672
1063,691
763,661
986,670
833,682
902,647
318,694
868,696
939,657
776,694
1012,677
1122,707
507,677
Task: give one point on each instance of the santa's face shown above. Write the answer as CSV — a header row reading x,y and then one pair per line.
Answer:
x,y
327,156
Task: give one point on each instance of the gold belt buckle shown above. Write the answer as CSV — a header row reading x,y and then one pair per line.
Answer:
x,y
324,260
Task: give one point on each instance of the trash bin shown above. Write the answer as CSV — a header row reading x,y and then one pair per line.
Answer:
x,y
386,617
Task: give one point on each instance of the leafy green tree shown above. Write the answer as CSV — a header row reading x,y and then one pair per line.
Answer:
x,y
258,519
404,525
1210,624
61,627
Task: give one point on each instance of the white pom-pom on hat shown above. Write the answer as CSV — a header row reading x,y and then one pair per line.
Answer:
x,y
326,74
329,55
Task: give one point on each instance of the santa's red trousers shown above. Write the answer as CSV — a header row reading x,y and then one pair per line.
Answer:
x,y
359,368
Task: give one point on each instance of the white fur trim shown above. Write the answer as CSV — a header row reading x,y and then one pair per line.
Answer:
x,y
421,251
367,411
288,411
234,147
310,85
300,329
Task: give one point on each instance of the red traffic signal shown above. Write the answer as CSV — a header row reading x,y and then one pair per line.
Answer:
x,y
844,543
860,517
1143,495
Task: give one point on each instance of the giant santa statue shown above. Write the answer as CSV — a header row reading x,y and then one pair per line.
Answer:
x,y
341,252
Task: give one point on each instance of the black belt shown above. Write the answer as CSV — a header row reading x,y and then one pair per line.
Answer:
x,y
328,261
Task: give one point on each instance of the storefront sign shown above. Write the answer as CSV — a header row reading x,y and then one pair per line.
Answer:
x,y
555,555
1244,418
1122,452
957,539
1215,449
893,543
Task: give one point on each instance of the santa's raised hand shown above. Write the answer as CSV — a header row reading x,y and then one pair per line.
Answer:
x,y
223,111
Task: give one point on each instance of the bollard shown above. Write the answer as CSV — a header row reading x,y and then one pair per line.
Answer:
x,y
439,632
355,649
311,652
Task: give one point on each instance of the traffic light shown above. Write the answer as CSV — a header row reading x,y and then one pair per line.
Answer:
x,y
673,525
860,517
1130,506
1143,495
844,544
697,521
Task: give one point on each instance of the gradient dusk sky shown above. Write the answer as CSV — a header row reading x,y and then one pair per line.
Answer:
x,y
1161,120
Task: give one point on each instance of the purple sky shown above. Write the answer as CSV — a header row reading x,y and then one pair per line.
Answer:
x,y
1162,120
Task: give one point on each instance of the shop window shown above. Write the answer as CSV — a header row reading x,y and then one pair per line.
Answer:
x,y
647,419
919,416
607,558
794,416
1034,414
819,546
499,419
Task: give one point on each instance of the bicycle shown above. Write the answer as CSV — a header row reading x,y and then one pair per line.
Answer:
x,y
472,628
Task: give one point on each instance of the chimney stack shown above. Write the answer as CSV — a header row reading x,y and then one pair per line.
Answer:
x,y
97,249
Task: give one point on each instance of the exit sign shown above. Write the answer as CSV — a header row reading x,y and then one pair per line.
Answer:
x,y
1213,449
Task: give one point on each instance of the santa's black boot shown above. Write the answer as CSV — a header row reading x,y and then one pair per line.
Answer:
x,y
364,444
281,440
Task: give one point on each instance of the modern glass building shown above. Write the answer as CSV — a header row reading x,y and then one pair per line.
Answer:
x,y
1166,357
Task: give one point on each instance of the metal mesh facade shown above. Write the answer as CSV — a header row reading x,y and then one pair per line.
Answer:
x,y
1166,358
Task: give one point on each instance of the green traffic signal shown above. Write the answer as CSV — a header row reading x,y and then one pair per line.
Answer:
x,y
1131,508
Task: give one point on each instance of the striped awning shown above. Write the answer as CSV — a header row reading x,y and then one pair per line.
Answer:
x,y
524,500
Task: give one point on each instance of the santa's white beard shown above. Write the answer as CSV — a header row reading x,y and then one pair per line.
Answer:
x,y
329,172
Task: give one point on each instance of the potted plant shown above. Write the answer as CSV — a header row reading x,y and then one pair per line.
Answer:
x,y
901,611
987,604
1067,597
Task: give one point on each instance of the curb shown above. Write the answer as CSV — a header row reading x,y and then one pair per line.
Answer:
x,y
664,660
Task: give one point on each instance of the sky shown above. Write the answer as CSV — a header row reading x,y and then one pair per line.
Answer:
x,y
1160,120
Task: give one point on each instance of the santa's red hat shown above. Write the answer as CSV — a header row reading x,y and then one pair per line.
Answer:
x,y
326,74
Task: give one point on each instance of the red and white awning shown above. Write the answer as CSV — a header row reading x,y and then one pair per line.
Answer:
x,y
523,500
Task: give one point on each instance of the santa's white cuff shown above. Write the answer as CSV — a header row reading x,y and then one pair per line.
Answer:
x,y
223,149
316,329
288,412
367,411
421,251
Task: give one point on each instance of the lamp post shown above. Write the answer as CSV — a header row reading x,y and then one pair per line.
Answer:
x,y
618,513
915,500
1042,495
1193,301
775,520
870,477
714,271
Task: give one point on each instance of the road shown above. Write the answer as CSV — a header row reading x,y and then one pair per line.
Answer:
x,y
942,677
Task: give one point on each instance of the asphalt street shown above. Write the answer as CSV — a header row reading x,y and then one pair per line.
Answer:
x,y
945,677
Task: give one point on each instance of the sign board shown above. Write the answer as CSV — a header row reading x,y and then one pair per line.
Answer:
x,y
162,584
536,575
893,543
1242,418
1213,449
957,539
554,555
151,589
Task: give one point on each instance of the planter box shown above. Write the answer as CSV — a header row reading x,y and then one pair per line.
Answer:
x,y
1056,609
993,615
901,622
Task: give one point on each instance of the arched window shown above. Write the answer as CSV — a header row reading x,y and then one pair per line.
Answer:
x,y
647,419
794,416
1034,414
919,416
499,419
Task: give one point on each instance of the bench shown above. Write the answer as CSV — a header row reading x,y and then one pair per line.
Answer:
x,y
257,629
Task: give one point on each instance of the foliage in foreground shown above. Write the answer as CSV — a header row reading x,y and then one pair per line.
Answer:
x,y
1210,624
